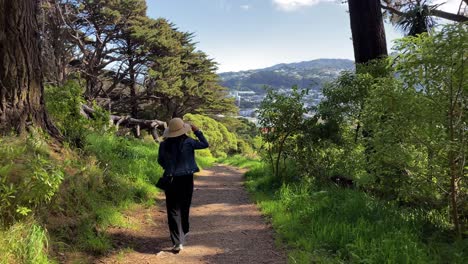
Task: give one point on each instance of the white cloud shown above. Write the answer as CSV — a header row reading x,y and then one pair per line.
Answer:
x,y
291,5
245,7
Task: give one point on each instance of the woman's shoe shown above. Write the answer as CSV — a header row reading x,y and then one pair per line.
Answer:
x,y
177,248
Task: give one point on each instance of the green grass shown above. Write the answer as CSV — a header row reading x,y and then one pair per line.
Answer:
x,y
120,172
334,225
24,242
241,161
204,158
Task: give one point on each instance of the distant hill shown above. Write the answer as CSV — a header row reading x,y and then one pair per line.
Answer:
x,y
307,74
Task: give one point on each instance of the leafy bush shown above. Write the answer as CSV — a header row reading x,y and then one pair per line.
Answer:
x,y
28,177
246,133
64,105
281,119
409,125
221,140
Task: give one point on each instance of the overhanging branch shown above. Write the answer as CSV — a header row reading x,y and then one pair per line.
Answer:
x,y
449,16
432,12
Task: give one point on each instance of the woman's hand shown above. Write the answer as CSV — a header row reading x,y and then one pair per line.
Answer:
x,y
194,128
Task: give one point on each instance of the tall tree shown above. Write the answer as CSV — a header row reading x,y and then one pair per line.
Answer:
x,y
367,30
131,51
21,78
94,26
183,79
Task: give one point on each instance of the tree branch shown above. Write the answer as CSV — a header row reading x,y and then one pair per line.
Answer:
x,y
393,10
433,12
448,16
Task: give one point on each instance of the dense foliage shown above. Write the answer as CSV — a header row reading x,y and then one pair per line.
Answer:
x,y
222,141
28,178
281,117
396,128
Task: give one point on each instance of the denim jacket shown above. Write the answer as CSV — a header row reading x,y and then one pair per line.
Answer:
x,y
186,162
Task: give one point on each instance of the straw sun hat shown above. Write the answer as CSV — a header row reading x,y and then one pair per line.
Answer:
x,y
176,128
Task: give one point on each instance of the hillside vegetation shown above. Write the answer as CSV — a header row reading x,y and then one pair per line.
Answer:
x,y
378,174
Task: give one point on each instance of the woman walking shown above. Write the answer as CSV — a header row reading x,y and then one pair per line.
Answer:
x,y
177,157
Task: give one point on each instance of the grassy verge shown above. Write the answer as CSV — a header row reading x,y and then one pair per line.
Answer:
x,y
333,225
242,162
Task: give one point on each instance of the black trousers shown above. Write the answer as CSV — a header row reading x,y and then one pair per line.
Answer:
x,y
178,201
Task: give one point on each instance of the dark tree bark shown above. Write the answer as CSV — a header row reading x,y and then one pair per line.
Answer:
x,y
367,30
21,87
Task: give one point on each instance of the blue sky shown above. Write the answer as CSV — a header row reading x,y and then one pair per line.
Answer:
x,y
250,34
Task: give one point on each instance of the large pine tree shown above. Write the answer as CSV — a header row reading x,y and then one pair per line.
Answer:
x,y
21,87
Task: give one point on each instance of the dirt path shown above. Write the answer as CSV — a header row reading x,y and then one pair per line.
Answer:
x,y
226,227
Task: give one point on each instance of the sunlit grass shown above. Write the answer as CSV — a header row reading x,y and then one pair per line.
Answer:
x,y
241,161
24,242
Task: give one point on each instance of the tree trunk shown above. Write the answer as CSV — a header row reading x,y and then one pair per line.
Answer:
x,y
367,30
21,87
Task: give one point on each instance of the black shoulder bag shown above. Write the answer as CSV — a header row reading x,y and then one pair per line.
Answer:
x,y
164,182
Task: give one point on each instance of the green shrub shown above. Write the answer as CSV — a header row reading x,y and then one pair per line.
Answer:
x,y
29,178
64,105
221,140
281,117
204,158
409,123
246,132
